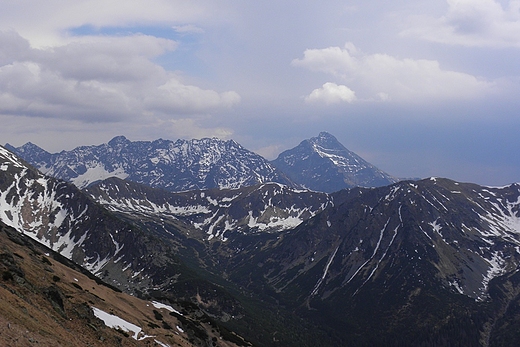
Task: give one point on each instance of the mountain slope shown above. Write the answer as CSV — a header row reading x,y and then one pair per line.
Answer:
x,y
58,215
269,208
415,263
323,164
135,255
428,263
49,301
176,166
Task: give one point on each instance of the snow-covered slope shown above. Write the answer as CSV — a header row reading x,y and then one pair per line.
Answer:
x,y
462,235
269,207
61,217
322,163
176,166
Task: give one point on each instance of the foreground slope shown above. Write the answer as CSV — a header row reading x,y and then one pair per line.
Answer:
x,y
47,300
175,166
322,163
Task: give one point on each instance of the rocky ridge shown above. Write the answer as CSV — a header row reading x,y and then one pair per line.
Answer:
x,y
176,166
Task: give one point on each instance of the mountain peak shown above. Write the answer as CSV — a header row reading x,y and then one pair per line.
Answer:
x,y
326,140
322,163
325,136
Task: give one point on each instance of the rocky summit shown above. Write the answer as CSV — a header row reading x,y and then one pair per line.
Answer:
x,y
322,163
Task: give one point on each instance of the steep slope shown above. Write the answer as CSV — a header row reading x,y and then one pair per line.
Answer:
x,y
430,263
139,261
64,219
416,263
176,166
323,164
49,301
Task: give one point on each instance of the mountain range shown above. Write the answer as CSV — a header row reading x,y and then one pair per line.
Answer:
x,y
431,262
321,164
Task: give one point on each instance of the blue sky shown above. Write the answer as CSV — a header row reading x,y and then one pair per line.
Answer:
x,y
418,88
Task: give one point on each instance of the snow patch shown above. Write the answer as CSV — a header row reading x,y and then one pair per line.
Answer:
x,y
116,322
160,305
97,173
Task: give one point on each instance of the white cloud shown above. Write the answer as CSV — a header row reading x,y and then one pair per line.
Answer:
x,y
177,96
384,77
479,23
98,79
44,23
331,93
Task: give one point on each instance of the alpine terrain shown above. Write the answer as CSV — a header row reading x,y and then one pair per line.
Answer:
x,y
60,217
432,262
176,166
322,163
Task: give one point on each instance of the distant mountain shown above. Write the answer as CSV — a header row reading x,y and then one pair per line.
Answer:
x,y
176,166
322,163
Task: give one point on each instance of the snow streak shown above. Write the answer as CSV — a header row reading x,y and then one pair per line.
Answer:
x,y
318,284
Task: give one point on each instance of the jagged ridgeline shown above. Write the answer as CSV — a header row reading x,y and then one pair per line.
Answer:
x,y
176,166
415,263
320,164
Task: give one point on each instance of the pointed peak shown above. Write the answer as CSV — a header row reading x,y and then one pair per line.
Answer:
x,y
325,135
28,147
326,140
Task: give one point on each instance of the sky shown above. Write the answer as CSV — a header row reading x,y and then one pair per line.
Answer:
x,y
418,88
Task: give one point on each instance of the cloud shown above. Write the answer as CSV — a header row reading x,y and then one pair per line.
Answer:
x,y
46,22
331,93
98,79
477,23
384,77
